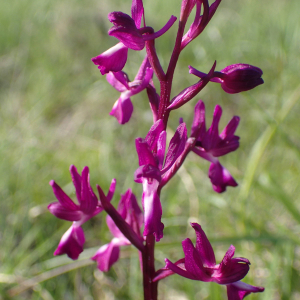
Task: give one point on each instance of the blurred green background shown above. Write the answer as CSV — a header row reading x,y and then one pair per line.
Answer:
x,y
55,112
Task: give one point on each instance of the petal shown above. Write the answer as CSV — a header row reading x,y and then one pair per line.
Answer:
x,y
89,200
239,290
211,139
113,59
161,148
153,134
231,269
118,80
106,256
76,178
145,82
148,172
204,247
220,177
122,110
62,197
176,146
178,270
144,153
136,217
126,31
111,190
193,262
152,210
142,70
61,212
137,12
71,242
198,127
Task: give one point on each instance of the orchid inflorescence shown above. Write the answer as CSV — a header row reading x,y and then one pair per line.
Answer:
x,y
158,163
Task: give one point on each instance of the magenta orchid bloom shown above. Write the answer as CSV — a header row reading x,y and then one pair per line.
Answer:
x,y
200,263
127,30
129,210
239,290
88,206
210,144
123,108
235,78
153,170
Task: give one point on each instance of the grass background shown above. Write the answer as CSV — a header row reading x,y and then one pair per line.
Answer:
x,y
54,113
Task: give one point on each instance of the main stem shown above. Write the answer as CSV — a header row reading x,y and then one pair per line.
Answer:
x,y
150,287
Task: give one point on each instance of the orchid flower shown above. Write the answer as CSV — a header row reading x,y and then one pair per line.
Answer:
x,y
88,206
153,169
130,34
235,78
200,263
128,208
123,108
210,145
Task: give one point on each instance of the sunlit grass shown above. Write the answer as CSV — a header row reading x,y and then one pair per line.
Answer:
x,y
54,113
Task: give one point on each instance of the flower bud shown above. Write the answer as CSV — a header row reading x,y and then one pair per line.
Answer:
x,y
239,78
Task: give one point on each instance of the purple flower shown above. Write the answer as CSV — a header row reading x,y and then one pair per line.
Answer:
x,y
127,30
210,144
200,263
153,170
235,78
239,290
123,108
129,210
88,206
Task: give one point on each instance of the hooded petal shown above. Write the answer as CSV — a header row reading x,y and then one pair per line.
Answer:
x,y
239,290
231,269
106,256
147,171
204,247
220,177
124,29
71,242
113,59
122,110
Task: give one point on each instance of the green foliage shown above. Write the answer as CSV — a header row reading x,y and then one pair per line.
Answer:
x,y
54,113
